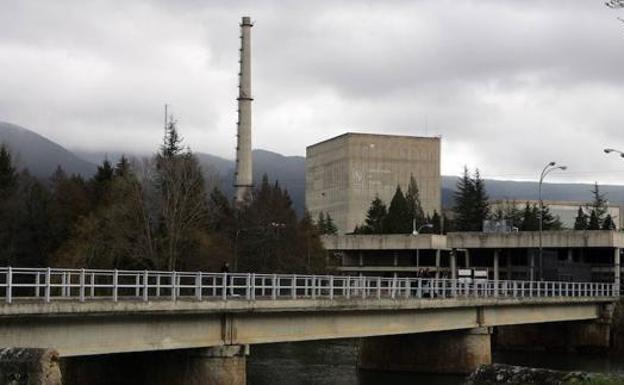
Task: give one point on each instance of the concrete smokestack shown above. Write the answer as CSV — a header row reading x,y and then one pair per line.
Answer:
x,y
243,175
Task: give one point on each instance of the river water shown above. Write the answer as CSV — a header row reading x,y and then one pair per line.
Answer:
x,y
334,363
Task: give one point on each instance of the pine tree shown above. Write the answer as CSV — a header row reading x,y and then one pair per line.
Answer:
x,y
582,220
436,221
321,223
594,221
330,227
599,206
471,202
122,168
398,220
463,202
530,218
414,206
608,223
375,218
549,221
8,173
481,205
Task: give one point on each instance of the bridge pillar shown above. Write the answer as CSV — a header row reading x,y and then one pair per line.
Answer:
x,y
584,336
223,365
456,352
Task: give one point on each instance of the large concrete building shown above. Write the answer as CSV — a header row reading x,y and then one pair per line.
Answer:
x,y
345,173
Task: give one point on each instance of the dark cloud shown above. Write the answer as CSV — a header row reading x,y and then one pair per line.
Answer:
x,y
509,85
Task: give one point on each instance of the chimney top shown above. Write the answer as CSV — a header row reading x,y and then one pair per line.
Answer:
x,y
246,21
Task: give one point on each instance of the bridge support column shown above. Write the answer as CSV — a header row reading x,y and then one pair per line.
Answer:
x,y
581,336
223,365
457,352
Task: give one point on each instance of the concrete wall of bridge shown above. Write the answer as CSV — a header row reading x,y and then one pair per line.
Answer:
x,y
104,328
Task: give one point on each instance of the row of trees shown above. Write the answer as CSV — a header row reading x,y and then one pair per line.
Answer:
x,y
598,217
404,215
153,213
471,208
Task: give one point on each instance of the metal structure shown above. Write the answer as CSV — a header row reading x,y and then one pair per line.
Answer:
x,y
48,285
243,174
550,167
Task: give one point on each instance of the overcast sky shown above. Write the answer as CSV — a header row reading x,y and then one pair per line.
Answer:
x,y
509,85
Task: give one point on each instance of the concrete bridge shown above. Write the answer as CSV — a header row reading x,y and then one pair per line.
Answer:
x,y
441,325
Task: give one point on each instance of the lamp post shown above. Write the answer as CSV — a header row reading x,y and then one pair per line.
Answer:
x,y
550,167
610,150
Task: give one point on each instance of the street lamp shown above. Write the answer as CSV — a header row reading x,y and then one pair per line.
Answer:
x,y
550,167
417,231
610,150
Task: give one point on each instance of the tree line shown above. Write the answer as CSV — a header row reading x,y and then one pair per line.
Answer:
x,y
152,213
471,208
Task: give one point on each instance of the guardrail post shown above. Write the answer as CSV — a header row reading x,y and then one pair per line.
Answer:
x,y
82,285
115,280
274,287
47,285
92,290
224,286
145,286
294,286
37,284
137,285
253,286
378,287
248,287
364,285
331,287
9,283
198,286
174,289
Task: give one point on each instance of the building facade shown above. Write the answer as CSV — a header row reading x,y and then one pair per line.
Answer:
x,y
345,173
565,210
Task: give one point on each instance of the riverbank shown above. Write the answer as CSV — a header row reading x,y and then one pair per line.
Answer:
x,y
500,374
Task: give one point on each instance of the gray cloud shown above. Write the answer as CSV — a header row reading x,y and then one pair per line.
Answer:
x,y
509,85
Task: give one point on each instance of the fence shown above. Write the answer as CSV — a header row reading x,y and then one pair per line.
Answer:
x,y
47,284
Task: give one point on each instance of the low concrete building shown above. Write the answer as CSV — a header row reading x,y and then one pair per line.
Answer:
x,y
567,255
391,254
345,173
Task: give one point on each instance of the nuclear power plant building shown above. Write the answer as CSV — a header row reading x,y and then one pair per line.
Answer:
x,y
345,173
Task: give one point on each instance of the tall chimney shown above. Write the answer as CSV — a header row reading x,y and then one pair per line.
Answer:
x,y
243,175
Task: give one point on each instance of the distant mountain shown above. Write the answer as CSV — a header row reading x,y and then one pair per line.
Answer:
x,y
39,155
288,170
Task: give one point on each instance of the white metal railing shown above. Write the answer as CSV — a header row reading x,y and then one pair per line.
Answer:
x,y
48,284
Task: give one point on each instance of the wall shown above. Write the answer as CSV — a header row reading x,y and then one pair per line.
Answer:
x,y
344,174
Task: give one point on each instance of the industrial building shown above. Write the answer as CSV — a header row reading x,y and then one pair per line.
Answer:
x,y
344,174
566,211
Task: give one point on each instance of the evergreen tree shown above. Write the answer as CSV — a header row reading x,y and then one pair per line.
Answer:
x,y
399,219
480,199
608,223
330,227
436,221
598,207
375,218
414,206
594,221
321,223
471,202
549,221
530,218
8,173
582,220
463,202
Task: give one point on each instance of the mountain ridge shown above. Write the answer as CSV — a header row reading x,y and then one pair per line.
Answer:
x,y
41,156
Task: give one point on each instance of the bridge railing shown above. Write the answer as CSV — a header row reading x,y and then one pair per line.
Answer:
x,y
47,284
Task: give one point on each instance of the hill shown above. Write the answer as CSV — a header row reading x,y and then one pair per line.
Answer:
x,y
40,155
